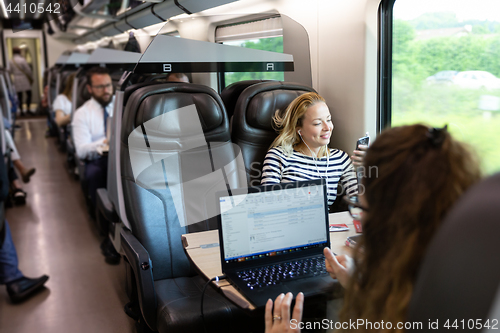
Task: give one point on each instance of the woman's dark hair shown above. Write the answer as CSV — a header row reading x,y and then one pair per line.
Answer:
x,y
416,174
68,88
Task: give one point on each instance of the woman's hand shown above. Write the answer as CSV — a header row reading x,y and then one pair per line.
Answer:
x,y
359,156
278,321
339,267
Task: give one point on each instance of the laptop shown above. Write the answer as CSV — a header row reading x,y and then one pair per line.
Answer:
x,y
272,239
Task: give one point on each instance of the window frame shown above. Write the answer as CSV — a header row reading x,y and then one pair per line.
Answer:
x,y
384,94
221,78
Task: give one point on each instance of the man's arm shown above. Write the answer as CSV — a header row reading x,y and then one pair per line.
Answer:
x,y
85,148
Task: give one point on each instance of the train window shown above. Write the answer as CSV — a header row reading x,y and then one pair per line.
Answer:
x,y
265,34
443,69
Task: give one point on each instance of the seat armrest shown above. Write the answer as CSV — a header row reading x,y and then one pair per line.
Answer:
x,y
70,145
105,206
141,264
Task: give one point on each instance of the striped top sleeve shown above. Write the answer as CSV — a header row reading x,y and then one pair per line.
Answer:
x,y
278,167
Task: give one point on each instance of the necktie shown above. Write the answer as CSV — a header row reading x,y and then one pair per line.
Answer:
x,y
105,121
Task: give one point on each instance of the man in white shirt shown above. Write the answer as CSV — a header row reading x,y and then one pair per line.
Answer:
x,y
89,127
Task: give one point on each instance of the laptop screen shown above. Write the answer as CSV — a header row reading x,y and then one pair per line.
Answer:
x,y
273,221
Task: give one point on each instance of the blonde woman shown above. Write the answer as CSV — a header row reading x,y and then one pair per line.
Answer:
x,y
300,152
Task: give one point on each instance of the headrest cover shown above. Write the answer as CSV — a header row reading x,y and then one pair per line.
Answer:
x,y
232,92
83,92
151,101
263,106
209,112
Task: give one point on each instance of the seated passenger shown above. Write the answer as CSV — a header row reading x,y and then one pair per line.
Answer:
x,y
177,77
89,127
25,172
300,152
19,287
17,194
62,104
420,173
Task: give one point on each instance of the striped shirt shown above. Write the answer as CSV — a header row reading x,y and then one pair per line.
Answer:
x,y
278,168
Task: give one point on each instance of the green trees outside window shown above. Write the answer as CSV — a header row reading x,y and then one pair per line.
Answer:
x,y
274,44
438,78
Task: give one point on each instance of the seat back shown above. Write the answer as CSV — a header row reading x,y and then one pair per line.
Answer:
x,y
82,93
64,80
52,82
460,274
4,99
232,92
252,128
4,182
114,182
166,142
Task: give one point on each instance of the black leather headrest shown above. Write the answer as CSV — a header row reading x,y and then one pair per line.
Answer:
x,y
232,92
82,92
151,101
130,89
52,84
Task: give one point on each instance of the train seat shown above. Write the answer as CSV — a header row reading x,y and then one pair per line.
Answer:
x,y
459,277
252,128
105,210
50,79
168,290
62,131
106,214
73,161
82,94
52,85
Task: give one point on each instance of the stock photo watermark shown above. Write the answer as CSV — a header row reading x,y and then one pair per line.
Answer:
x,y
431,324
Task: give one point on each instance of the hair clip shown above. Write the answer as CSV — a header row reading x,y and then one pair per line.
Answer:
x,y
437,135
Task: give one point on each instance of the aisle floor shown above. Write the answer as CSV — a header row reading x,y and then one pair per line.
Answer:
x,y
54,235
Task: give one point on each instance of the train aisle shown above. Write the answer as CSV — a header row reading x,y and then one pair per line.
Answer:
x,y
54,235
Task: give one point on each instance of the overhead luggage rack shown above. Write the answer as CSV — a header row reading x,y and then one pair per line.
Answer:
x,y
111,57
167,54
76,59
62,59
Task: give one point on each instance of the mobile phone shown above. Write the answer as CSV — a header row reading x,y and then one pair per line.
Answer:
x,y
364,141
352,240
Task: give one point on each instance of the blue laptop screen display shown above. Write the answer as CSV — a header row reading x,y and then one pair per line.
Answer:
x,y
271,223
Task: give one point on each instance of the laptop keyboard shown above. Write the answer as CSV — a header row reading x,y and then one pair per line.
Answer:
x,y
274,274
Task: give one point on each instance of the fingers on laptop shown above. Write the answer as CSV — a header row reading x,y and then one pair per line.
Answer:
x,y
299,308
277,317
278,321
